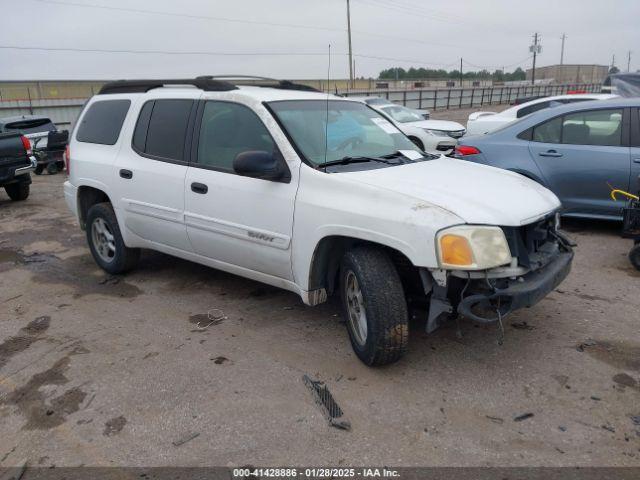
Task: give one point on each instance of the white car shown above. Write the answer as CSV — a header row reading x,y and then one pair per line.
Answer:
x,y
429,135
485,122
313,194
379,101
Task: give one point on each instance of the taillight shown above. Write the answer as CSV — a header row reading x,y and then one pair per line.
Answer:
x,y
466,150
67,157
26,144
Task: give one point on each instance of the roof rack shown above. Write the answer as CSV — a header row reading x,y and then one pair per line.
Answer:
x,y
207,84
265,82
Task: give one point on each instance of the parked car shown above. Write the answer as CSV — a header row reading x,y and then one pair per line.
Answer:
x,y
379,101
311,193
576,151
486,122
429,135
16,162
47,142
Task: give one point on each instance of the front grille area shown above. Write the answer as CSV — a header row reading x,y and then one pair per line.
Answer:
x,y
532,244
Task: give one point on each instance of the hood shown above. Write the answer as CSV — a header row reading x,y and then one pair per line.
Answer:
x,y
478,194
445,125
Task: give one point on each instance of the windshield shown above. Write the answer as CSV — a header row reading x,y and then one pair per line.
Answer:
x,y
353,130
34,125
402,114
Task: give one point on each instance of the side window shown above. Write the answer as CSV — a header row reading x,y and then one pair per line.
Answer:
x,y
532,108
165,135
142,125
103,121
596,127
228,129
549,131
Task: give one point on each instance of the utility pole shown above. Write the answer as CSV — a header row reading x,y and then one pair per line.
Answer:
x,y
564,36
613,60
629,61
350,49
460,72
535,49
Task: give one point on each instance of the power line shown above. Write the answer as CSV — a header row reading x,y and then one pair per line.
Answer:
x,y
165,52
257,22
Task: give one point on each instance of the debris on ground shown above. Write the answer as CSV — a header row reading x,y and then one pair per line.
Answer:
x,y
587,343
522,326
212,317
636,419
187,438
220,360
114,426
609,428
522,417
325,401
562,428
495,419
594,398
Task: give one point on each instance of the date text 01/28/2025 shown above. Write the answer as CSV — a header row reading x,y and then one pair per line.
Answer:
x,y
315,473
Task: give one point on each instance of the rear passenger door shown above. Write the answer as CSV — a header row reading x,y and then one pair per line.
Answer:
x,y
150,172
237,221
634,181
580,154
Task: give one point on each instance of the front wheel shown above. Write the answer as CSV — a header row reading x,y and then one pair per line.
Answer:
x,y
634,256
374,306
106,243
17,191
417,142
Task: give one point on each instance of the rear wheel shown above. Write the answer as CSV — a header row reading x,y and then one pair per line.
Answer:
x,y
634,256
39,169
374,306
17,191
106,243
52,168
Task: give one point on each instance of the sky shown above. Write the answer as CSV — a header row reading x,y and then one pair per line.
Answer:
x,y
58,39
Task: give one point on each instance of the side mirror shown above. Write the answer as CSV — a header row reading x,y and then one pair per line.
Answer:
x,y
263,165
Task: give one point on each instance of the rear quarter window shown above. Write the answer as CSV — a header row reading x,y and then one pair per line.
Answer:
x,y
103,121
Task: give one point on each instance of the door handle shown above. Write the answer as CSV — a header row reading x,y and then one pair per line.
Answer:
x,y
128,174
200,188
636,160
550,153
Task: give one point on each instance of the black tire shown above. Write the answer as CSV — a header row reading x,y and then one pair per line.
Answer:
x,y
417,143
39,169
387,318
634,256
18,191
52,168
124,258
60,165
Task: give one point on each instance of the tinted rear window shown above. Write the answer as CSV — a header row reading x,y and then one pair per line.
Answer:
x,y
103,121
166,134
34,125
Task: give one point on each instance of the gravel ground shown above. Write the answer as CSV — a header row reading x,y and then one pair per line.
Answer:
x,y
100,370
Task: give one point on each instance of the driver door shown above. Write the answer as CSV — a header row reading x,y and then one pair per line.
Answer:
x,y
235,220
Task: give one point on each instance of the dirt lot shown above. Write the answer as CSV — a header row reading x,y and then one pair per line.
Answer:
x,y
98,370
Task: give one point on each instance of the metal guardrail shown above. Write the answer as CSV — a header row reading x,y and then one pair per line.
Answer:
x,y
446,98
63,111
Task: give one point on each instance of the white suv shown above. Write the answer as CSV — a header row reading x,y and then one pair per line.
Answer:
x,y
311,193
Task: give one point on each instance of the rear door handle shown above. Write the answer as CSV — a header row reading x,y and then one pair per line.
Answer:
x,y
128,174
550,153
636,160
200,188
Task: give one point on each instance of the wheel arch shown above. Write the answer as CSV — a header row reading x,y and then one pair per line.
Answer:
x,y
89,196
328,253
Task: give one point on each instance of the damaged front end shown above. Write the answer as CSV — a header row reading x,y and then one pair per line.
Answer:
x,y
541,257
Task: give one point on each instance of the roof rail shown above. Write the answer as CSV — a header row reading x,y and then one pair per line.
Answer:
x,y
207,84
265,82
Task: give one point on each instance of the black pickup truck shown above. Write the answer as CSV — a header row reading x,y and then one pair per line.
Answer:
x,y
16,163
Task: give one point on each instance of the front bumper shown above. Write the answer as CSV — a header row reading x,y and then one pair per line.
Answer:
x,y
513,294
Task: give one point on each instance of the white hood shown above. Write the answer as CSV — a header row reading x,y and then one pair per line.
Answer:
x,y
445,125
478,194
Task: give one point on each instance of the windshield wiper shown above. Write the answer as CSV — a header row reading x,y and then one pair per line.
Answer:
x,y
348,160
